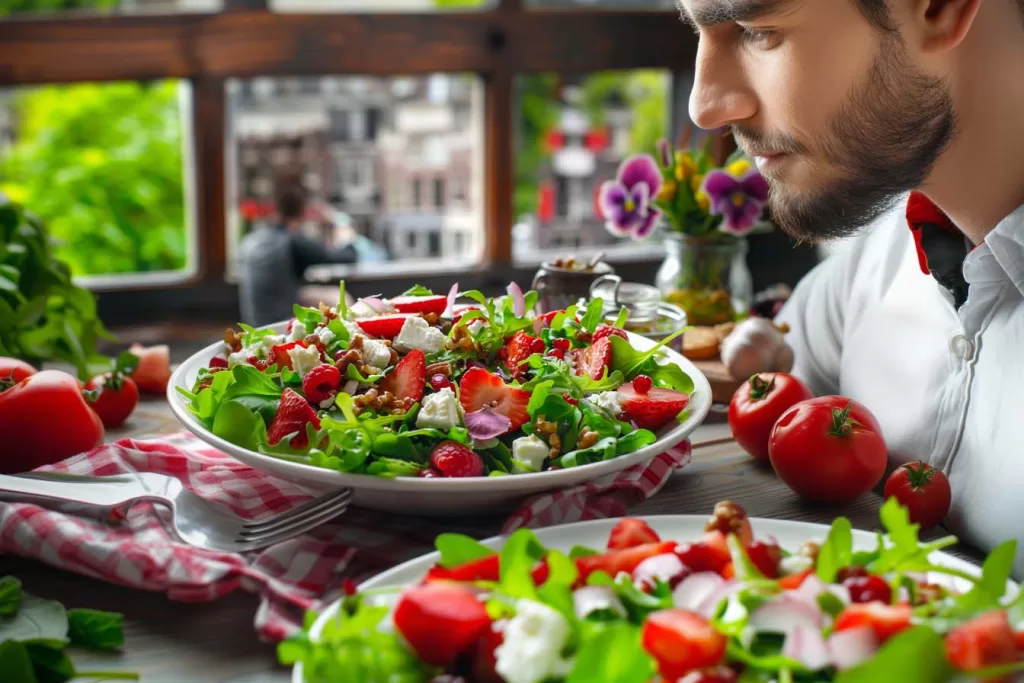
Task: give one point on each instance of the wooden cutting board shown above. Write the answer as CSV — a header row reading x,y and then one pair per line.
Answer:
x,y
723,386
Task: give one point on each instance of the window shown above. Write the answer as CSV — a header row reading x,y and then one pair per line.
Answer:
x,y
377,5
573,133
358,141
115,194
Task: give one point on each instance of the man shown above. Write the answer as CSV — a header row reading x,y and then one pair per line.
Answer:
x,y
905,117
273,258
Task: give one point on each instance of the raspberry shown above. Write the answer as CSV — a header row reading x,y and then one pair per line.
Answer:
x,y
321,383
642,384
439,382
561,344
454,459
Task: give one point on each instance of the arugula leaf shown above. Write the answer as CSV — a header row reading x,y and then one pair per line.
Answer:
x,y
632,362
744,568
578,551
830,603
15,662
623,316
309,317
417,290
837,550
250,335
556,591
264,406
671,376
341,334
248,381
639,604
773,662
613,653
95,629
236,423
458,549
604,449
986,594
10,596
342,304
518,556
592,318
634,441
552,406
906,553
51,665
916,655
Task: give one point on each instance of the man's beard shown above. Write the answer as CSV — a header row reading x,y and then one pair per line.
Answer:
x,y
883,141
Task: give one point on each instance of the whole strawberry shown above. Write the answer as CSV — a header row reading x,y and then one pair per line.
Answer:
x,y
453,459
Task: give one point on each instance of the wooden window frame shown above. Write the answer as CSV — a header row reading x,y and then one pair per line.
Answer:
x,y
246,39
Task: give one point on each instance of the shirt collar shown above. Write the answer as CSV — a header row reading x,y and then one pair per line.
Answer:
x,y
941,247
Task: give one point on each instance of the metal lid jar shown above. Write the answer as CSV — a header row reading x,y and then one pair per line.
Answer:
x,y
649,316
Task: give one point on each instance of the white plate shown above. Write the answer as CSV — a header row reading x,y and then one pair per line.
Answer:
x,y
681,528
438,497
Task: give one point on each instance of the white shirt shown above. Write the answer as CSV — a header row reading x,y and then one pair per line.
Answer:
x,y
946,385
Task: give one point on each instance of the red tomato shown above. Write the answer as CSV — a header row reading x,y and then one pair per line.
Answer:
x,y
154,369
885,620
710,554
758,404
631,532
922,489
625,560
116,399
14,369
45,419
981,642
440,621
828,449
483,569
681,641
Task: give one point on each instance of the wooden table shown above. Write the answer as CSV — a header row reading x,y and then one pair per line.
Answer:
x,y
173,642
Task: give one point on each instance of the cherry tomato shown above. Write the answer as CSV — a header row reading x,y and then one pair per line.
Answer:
x,y
922,489
45,419
828,449
625,560
14,369
115,398
682,641
154,369
758,403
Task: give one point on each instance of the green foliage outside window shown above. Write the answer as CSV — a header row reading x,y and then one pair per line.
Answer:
x,y
101,165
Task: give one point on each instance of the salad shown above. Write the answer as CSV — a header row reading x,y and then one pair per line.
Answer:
x,y
427,385
724,608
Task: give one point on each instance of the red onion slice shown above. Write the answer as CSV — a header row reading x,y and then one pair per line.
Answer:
x,y
518,300
805,645
785,613
453,294
593,598
849,648
695,590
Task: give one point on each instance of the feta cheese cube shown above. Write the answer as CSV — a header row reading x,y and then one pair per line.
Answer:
x,y
530,452
304,359
795,564
238,358
611,401
298,332
532,648
361,309
326,336
440,410
268,343
327,403
376,353
353,329
416,333
475,326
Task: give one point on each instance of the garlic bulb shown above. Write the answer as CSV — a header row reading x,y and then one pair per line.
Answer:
x,y
756,345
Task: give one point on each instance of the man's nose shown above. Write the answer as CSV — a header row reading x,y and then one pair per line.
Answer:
x,y
720,95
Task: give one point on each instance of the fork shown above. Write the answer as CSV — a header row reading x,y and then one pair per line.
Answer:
x,y
193,519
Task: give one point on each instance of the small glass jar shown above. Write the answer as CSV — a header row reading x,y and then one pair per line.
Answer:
x,y
708,278
649,316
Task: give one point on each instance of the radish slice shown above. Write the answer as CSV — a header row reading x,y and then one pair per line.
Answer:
x,y
666,567
805,645
376,304
590,599
784,614
851,647
696,589
518,301
350,387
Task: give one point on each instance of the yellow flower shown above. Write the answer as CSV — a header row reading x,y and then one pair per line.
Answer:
x,y
685,166
738,168
703,201
668,190
696,181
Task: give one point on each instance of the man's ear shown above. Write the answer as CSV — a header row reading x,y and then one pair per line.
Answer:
x,y
943,24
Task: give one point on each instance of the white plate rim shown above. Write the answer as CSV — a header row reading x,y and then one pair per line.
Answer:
x,y
699,406
762,526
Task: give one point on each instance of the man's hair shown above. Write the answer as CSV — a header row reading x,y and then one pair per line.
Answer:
x,y
877,12
290,196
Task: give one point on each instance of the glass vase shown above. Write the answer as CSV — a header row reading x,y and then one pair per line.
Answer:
x,y
707,277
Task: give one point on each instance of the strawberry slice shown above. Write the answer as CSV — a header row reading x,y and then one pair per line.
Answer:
x,y
631,532
408,378
595,358
153,372
440,620
420,304
885,620
279,354
654,409
520,347
292,416
480,388
387,326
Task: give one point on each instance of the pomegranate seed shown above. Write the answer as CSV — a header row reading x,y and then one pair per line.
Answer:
x,y
439,382
642,384
557,353
429,473
537,346
868,589
218,362
561,344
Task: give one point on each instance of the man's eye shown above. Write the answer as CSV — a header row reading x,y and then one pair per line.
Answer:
x,y
759,38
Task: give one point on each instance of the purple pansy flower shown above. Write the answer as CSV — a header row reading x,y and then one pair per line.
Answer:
x,y
740,201
626,202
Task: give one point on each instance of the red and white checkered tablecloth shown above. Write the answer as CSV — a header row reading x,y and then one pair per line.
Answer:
x,y
291,577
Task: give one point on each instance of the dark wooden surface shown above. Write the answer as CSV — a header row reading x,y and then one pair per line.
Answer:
x,y
172,642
